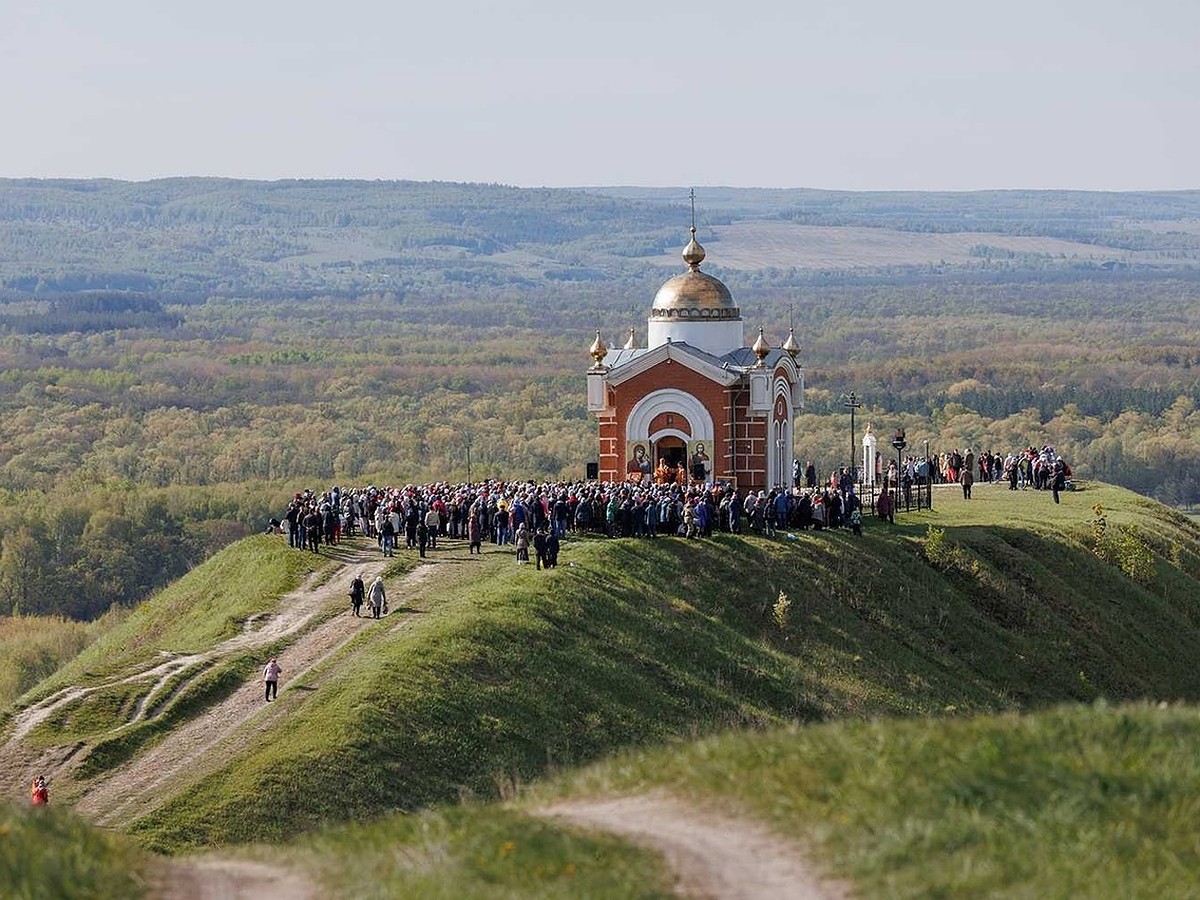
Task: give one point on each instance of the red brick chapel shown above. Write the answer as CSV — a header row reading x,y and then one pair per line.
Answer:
x,y
696,405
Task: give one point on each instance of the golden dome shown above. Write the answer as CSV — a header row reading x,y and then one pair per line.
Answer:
x,y
761,348
598,350
791,346
694,294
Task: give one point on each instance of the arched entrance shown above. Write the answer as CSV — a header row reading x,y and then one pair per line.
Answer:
x,y
658,418
670,451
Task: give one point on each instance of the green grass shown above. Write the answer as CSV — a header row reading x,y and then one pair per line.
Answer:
x,y
210,687
207,605
507,673
476,852
94,713
50,854
1087,802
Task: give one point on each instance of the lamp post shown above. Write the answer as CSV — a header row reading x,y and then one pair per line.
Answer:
x,y
468,457
899,443
852,403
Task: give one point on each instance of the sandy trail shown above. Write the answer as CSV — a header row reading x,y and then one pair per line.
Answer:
x,y
212,878
712,855
297,608
136,787
206,742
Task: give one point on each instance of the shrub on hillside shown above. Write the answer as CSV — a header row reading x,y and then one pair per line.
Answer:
x,y
1134,555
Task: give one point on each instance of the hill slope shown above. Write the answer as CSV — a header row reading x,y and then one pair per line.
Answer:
x,y
488,674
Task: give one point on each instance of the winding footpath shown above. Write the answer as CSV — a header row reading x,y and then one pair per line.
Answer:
x,y
712,855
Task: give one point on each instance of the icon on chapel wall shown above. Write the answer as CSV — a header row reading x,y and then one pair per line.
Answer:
x,y
699,462
638,467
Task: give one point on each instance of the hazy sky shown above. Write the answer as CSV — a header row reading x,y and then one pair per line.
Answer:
x,y
861,94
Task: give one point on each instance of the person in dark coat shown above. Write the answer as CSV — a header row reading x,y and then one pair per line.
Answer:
x,y
358,591
1058,481
474,533
736,506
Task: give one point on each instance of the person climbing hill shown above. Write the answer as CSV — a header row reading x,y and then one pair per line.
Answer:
x,y
377,597
39,793
358,592
271,678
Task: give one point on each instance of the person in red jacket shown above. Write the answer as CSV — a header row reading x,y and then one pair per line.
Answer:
x,y
39,793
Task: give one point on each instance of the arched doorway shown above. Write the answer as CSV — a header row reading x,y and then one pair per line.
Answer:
x,y
672,421
671,451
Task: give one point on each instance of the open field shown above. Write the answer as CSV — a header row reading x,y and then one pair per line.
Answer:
x,y
759,245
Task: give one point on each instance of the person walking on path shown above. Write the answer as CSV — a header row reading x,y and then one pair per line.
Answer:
x,y
39,793
377,597
271,678
358,592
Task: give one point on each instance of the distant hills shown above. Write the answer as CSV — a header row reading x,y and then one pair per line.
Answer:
x,y
202,236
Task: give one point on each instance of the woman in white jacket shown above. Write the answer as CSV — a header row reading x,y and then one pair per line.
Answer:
x,y
377,597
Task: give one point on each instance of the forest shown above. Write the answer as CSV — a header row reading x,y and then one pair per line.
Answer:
x,y
178,357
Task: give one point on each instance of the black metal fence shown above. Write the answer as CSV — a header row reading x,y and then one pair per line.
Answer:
x,y
909,494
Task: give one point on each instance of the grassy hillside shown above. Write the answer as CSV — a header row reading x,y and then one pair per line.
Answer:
x,y
211,603
507,673
1082,801
114,711
1075,802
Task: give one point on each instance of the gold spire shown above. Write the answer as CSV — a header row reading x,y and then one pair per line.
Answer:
x,y
761,348
598,350
791,346
693,253
631,341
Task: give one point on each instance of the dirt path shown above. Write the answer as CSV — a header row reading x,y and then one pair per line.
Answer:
x,y
713,856
206,742
187,752
213,878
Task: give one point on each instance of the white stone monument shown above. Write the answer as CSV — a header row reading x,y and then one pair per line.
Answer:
x,y
868,457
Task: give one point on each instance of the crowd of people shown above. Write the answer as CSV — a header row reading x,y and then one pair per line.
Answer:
x,y
1030,467
529,515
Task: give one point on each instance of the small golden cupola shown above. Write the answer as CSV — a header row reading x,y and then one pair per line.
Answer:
x,y
631,341
598,350
761,348
791,346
